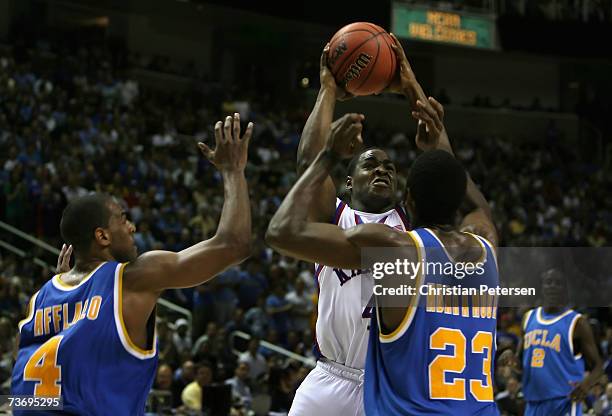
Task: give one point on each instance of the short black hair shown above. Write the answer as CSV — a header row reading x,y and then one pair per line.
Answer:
x,y
353,163
81,217
437,183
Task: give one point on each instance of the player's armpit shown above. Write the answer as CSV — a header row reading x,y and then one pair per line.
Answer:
x,y
155,271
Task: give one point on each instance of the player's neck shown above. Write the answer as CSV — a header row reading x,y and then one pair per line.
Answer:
x,y
89,263
553,310
371,207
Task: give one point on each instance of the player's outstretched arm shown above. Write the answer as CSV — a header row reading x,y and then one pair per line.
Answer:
x,y
313,139
431,134
158,270
584,335
291,231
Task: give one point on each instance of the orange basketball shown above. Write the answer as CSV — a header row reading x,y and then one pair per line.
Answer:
x,y
361,58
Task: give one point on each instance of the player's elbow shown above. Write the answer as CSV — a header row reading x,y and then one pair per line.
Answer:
x,y
274,235
302,164
280,233
238,248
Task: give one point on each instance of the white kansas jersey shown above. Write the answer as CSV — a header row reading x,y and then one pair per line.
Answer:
x,y
342,322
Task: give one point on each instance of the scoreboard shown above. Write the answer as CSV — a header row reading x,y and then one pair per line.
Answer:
x,y
449,27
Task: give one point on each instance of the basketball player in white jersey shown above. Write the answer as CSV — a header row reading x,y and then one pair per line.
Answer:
x,y
335,386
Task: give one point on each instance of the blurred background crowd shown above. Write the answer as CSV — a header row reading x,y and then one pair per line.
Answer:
x,y
72,121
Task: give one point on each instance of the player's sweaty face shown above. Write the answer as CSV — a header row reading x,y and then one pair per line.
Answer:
x,y
374,177
123,247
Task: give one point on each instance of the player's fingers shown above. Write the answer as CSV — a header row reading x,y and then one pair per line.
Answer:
x,y
227,130
324,55
431,112
430,124
66,260
437,106
248,133
422,128
236,126
355,130
398,45
355,117
208,154
218,133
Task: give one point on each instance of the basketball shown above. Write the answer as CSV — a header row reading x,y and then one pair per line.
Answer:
x,y
361,58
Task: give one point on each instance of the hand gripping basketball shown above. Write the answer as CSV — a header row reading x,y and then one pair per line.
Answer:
x,y
327,79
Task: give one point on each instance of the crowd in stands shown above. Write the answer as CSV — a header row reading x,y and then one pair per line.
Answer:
x,y
71,124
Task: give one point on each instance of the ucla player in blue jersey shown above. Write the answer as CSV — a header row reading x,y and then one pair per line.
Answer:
x,y
556,343
422,359
89,333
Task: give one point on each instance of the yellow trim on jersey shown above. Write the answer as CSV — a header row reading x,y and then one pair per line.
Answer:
x,y
410,311
58,283
483,257
544,321
570,335
491,246
119,308
30,313
526,319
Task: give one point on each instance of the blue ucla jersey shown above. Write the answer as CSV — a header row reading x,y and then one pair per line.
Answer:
x,y
73,343
549,360
439,361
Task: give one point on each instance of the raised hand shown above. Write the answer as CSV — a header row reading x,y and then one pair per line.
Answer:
x,y
404,80
430,117
63,260
230,149
345,139
327,79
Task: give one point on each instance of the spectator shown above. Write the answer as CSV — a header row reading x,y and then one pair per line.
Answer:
x,y
192,394
241,393
302,306
281,389
181,337
162,389
510,401
257,319
603,404
182,377
278,309
258,365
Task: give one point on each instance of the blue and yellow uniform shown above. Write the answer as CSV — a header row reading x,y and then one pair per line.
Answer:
x,y
74,343
439,361
550,365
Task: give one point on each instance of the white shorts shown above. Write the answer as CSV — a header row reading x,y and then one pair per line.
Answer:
x,y
330,389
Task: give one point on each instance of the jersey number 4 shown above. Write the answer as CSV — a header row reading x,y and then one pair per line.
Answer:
x,y
42,368
442,364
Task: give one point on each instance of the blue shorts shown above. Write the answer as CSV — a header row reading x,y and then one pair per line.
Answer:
x,y
555,407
